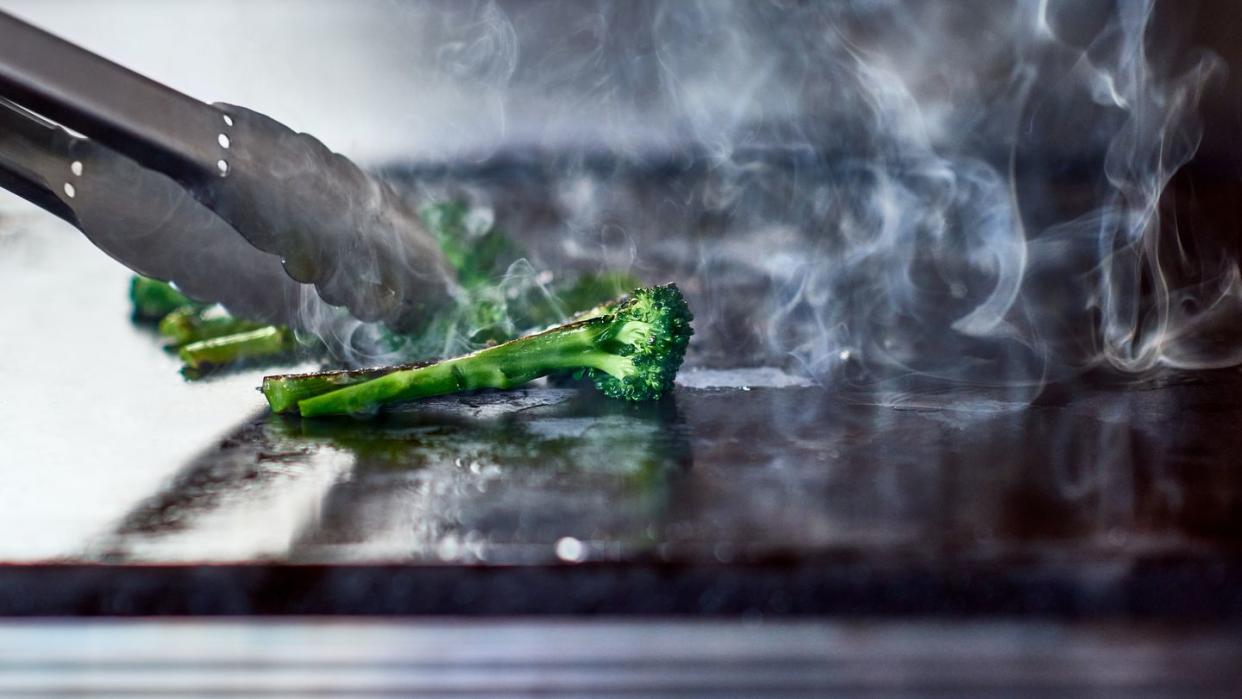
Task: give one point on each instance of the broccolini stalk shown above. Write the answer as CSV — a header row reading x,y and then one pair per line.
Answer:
x,y
285,390
632,353
190,324
266,342
153,299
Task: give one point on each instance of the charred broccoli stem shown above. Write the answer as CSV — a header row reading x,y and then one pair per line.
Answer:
x,y
632,353
193,324
205,336
283,391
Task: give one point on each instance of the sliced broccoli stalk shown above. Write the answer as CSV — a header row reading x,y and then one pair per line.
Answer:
x,y
490,315
632,353
193,324
283,391
153,299
267,342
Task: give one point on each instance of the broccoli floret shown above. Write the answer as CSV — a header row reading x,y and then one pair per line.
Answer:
x,y
631,353
644,344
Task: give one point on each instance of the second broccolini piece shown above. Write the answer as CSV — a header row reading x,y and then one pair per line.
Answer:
x,y
267,342
195,324
632,353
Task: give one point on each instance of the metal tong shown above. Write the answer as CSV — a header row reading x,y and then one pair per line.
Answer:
x,y
227,203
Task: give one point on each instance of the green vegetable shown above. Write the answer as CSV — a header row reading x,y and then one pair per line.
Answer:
x,y
192,324
153,299
265,342
504,298
283,391
632,353
479,257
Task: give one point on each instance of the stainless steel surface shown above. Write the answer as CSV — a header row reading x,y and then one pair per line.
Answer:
x,y
350,234
144,219
132,114
28,159
611,658
331,224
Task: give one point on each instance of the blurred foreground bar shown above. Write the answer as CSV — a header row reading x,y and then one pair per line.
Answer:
x,y
613,658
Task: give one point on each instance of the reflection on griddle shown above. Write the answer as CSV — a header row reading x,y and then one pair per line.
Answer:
x,y
499,477
491,475
721,475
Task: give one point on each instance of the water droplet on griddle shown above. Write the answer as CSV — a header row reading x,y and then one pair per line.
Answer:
x,y
570,550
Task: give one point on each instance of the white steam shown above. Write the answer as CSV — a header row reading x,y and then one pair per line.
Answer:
x,y
913,250
967,191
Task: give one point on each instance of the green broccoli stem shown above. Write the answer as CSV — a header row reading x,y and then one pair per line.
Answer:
x,y
267,341
189,324
284,391
504,366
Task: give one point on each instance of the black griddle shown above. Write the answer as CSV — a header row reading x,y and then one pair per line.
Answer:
x,y
749,491
1104,503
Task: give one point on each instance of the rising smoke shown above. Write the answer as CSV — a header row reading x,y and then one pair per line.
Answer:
x,y
967,191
